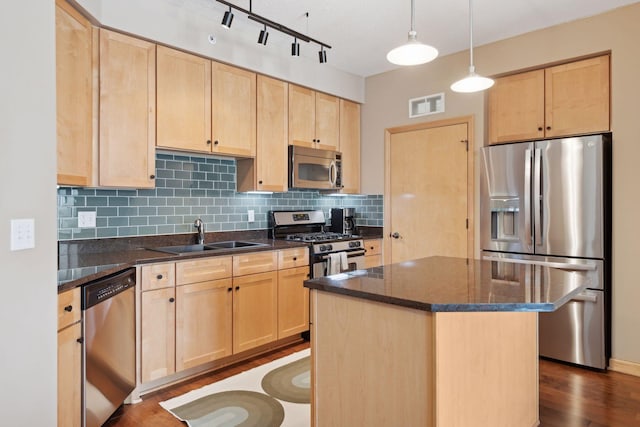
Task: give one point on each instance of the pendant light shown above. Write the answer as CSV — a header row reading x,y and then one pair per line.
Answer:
x,y
412,52
473,82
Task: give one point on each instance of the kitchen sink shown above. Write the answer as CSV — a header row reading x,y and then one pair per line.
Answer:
x,y
217,246
234,244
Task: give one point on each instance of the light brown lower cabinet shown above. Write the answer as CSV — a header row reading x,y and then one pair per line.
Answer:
x,y
203,322
158,334
255,301
69,359
293,301
373,254
197,311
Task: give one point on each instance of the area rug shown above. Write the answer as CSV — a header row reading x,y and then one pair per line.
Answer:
x,y
276,394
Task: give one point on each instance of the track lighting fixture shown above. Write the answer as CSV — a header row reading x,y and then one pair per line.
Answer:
x,y
412,52
295,47
264,35
227,19
322,54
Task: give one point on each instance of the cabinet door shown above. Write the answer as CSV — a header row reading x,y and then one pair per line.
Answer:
x,y
127,111
157,334
293,302
271,158
70,376
255,302
77,98
294,257
302,116
350,146
184,100
203,270
577,97
516,107
157,276
234,110
255,262
373,255
203,322
69,310
327,121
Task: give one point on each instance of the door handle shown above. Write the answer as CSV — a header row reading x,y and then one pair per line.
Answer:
x,y
395,235
537,197
528,232
584,297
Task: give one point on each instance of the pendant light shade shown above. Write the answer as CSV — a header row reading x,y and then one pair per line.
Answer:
x,y
473,82
413,52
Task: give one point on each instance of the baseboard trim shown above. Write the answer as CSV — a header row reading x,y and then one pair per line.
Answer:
x,y
625,367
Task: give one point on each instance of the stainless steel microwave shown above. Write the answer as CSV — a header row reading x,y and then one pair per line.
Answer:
x,y
314,168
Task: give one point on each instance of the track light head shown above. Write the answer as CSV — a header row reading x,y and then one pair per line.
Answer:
x,y
295,48
264,35
322,55
227,19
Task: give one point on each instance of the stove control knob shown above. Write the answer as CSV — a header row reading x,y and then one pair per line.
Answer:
x,y
323,248
355,244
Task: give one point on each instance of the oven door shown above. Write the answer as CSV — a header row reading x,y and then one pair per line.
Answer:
x,y
355,259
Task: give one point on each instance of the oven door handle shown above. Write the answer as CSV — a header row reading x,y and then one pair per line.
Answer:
x,y
351,254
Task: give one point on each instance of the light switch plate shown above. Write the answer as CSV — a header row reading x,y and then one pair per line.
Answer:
x,y
23,234
86,219
251,215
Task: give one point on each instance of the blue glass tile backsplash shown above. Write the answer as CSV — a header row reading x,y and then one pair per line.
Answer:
x,y
188,187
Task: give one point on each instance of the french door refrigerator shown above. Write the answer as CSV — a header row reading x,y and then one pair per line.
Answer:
x,y
547,204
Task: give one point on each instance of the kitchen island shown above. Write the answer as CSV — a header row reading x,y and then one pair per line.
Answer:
x,y
431,342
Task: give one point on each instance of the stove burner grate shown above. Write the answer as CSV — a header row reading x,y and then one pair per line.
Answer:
x,y
315,237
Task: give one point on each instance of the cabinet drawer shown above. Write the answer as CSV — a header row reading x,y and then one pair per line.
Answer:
x,y
373,247
157,276
290,258
69,310
203,270
256,262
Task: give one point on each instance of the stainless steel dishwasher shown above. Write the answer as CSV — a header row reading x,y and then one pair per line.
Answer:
x,y
109,357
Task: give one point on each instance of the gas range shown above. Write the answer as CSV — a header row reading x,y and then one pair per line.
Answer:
x,y
308,226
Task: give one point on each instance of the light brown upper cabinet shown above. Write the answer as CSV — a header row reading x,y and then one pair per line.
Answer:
x,y
127,111
350,146
233,111
183,100
563,100
314,118
77,97
268,171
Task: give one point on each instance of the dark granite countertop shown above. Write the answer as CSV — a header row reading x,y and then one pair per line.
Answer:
x,y
443,284
82,261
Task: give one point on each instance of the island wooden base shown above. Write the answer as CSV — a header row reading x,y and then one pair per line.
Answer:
x,y
376,364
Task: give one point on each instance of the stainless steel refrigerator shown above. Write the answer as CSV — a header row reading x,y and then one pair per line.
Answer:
x,y
547,204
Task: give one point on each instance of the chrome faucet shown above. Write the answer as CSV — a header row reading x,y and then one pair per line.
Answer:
x,y
199,225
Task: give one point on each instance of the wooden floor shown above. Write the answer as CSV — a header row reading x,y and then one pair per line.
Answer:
x,y
569,396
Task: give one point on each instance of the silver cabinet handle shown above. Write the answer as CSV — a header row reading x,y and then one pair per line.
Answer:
x,y
560,265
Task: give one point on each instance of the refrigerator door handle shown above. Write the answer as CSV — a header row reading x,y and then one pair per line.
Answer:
x,y
537,196
560,265
585,297
527,198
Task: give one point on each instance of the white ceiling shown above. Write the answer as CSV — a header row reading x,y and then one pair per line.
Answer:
x,y
361,32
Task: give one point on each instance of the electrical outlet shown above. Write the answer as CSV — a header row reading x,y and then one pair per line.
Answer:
x,y
251,214
86,219
23,234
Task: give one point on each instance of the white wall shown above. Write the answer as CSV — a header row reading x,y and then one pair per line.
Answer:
x,y
27,190
387,96
187,25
